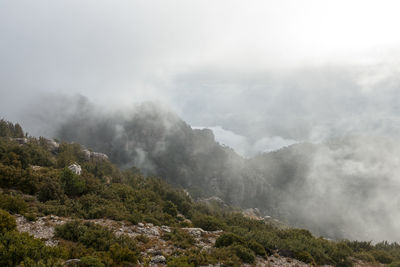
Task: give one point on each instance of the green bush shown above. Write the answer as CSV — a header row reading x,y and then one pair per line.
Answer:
x,y
394,264
89,261
122,254
226,256
182,261
206,222
256,247
99,238
245,254
170,208
7,222
71,231
364,256
73,185
382,256
142,238
31,216
304,256
12,204
17,247
179,238
50,190
228,239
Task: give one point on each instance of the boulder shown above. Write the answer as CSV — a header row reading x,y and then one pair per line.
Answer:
x,y
75,168
158,259
195,232
95,156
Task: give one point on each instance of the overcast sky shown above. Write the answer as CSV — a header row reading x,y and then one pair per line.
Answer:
x,y
261,74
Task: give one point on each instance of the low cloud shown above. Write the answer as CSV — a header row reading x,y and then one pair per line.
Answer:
x,y
243,145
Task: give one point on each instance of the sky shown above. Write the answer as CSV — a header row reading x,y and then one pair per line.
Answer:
x,y
261,74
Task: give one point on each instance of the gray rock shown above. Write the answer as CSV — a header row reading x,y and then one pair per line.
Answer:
x,y
75,168
154,252
97,156
158,259
195,232
152,231
166,229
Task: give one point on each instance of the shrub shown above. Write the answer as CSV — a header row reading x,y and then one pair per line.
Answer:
x,y
50,190
359,246
179,238
382,256
71,231
89,261
364,256
306,257
226,256
13,204
73,184
245,254
206,222
256,247
16,247
97,237
31,216
228,239
7,222
142,238
170,208
122,254
394,264
182,261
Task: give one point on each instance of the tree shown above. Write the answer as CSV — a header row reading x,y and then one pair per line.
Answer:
x,y
7,222
73,185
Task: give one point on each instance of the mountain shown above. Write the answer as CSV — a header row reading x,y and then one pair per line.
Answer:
x,y
62,204
342,188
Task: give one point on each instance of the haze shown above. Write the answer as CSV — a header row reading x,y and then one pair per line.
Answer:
x,y
262,74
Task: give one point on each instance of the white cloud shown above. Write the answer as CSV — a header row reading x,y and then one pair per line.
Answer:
x,y
243,145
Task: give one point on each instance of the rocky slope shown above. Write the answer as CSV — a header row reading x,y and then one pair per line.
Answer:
x,y
154,250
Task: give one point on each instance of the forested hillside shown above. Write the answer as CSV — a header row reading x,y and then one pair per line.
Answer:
x,y
334,188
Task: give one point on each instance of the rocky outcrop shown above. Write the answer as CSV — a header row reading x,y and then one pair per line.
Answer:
x,y
156,250
75,168
158,259
95,156
42,228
